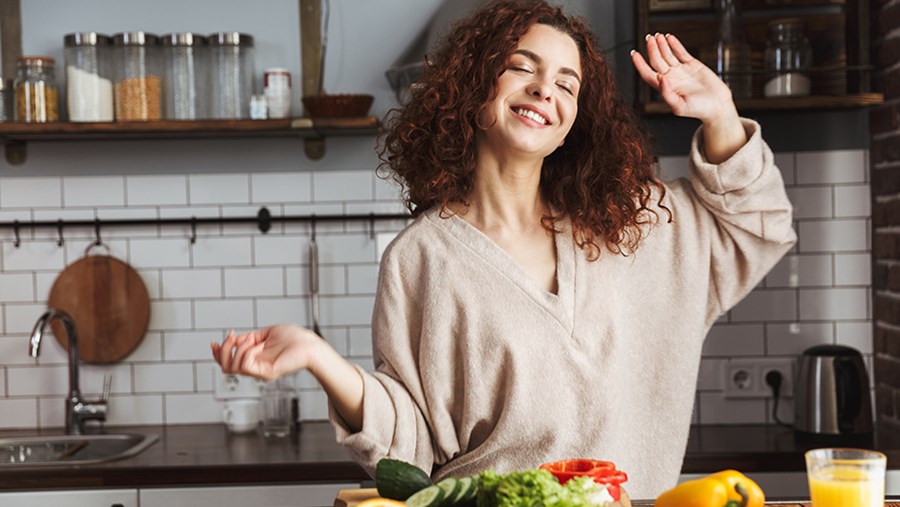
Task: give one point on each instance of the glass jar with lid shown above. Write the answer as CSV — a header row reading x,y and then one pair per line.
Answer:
x,y
89,90
138,76
788,58
37,97
232,74
185,63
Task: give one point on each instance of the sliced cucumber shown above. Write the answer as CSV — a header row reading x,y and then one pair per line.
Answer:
x,y
468,489
432,496
451,487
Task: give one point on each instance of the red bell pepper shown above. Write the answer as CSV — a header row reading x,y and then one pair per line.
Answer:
x,y
602,472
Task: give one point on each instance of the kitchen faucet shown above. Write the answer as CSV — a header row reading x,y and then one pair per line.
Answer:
x,y
78,410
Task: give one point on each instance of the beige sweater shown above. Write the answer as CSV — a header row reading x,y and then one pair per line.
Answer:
x,y
477,367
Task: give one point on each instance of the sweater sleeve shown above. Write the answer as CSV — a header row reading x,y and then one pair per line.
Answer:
x,y
750,216
393,422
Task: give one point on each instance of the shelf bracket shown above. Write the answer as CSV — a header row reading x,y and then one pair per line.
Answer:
x,y
16,152
314,148
311,63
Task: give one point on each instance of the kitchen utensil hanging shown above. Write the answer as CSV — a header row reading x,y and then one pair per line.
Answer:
x,y
314,278
108,302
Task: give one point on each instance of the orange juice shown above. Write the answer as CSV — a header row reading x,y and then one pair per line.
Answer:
x,y
846,486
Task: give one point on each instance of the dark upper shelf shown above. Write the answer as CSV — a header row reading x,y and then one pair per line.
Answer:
x,y
789,103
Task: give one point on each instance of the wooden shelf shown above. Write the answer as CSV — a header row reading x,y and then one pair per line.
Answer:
x,y
14,135
788,103
838,31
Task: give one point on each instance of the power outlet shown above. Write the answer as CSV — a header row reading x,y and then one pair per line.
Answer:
x,y
746,378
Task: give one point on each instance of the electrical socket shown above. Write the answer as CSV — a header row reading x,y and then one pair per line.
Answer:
x,y
746,377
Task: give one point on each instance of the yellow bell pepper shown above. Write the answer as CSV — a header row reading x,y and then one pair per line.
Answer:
x,y
728,488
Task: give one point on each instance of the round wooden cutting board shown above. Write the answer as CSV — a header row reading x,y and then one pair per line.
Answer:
x,y
108,302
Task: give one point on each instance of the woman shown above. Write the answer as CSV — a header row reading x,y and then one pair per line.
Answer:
x,y
551,298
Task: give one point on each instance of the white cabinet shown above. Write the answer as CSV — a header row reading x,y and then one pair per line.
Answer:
x,y
308,495
81,498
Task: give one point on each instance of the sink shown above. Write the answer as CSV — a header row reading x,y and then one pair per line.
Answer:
x,y
41,450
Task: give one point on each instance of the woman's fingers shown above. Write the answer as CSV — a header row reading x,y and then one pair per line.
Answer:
x,y
665,51
654,55
643,69
678,49
238,360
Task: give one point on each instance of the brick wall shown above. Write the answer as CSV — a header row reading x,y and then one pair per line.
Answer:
x,y
885,167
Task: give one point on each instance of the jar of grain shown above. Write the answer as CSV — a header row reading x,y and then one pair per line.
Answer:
x,y
185,63
232,74
788,58
89,90
138,76
37,98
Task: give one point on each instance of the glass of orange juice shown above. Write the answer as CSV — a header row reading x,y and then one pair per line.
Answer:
x,y
841,477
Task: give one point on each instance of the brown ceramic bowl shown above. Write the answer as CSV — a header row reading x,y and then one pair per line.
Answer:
x,y
340,105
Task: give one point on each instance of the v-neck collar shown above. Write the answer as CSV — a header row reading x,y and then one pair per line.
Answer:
x,y
562,304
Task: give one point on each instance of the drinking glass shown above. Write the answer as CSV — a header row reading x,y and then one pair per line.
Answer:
x,y
840,477
276,405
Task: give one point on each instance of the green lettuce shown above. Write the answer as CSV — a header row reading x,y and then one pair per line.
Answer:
x,y
538,488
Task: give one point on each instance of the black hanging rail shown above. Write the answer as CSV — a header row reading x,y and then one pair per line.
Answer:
x,y
263,221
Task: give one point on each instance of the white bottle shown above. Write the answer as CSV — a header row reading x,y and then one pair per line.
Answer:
x,y
277,86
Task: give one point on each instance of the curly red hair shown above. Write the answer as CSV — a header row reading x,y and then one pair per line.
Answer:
x,y
602,178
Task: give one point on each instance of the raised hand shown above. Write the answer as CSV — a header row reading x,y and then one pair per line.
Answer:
x,y
688,86
267,353
692,90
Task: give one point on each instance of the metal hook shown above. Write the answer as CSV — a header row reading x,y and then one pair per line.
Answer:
x,y
97,241
18,240
59,232
193,229
312,223
371,225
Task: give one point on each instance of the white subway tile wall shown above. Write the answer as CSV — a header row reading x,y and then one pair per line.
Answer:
x,y
234,277
820,293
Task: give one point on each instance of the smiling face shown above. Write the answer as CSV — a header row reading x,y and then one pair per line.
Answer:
x,y
537,96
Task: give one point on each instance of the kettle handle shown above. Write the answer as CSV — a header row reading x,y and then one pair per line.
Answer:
x,y
848,386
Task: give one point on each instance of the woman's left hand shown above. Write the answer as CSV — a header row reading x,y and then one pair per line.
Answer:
x,y
688,86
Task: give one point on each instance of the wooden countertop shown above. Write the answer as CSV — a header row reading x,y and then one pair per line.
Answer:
x,y
208,454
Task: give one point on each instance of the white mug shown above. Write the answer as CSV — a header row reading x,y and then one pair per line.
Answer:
x,y
241,415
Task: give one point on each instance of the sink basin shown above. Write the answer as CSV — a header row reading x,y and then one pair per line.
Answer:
x,y
41,450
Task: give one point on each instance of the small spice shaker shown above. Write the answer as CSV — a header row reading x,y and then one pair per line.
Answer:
x,y
37,97
89,90
788,58
138,72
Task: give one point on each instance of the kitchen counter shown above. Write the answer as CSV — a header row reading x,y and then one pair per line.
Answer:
x,y
208,454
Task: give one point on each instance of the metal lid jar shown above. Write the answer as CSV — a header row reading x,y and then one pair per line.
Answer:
x,y
37,97
788,58
232,74
89,90
185,60
138,76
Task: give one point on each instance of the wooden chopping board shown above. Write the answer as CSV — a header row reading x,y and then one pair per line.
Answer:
x,y
352,497
109,304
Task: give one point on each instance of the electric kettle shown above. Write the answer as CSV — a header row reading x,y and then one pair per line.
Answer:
x,y
832,404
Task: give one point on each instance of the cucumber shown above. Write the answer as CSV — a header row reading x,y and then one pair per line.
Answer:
x,y
432,496
451,487
399,480
468,490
